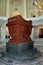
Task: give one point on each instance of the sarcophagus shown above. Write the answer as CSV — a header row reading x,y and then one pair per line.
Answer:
x,y
19,29
20,47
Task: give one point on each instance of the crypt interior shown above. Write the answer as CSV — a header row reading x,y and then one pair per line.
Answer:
x,y
29,10
32,9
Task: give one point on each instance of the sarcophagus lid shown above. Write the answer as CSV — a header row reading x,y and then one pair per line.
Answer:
x,y
19,29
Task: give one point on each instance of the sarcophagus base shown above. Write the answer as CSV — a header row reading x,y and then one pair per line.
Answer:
x,y
21,52
19,49
19,41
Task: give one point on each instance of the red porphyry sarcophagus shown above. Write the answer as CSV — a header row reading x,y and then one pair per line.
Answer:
x,y
19,29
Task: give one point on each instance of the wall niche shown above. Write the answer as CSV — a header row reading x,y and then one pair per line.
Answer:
x,y
38,31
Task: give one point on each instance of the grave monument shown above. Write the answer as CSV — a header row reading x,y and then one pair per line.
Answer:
x,y
20,46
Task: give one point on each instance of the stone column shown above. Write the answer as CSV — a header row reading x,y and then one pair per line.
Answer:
x,y
32,33
24,8
3,7
7,8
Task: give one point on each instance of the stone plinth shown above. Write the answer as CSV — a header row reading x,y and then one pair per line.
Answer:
x,y
21,52
19,49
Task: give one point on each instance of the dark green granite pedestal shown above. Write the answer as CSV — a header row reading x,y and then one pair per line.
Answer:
x,y
21,52
19,49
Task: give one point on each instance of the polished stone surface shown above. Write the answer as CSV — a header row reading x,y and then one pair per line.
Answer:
x,y
19,49
20,54
19,29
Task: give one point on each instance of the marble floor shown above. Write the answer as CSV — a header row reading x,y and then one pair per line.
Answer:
x,y
8,61
35,62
